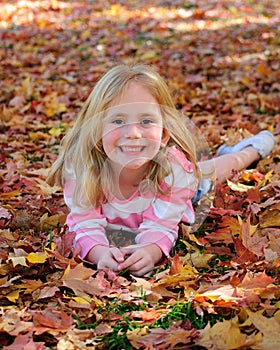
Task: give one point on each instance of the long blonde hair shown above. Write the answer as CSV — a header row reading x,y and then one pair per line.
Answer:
x,y
82,147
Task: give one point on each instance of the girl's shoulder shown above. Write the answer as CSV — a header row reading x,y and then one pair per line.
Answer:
x,y
177,157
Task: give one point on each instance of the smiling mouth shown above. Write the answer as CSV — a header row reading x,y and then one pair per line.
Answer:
x,y
131,148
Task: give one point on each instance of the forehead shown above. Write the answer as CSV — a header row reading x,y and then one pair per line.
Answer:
x,y
137,108
133,93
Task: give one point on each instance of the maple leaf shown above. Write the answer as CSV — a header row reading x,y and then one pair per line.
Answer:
x,y
15,322
176,265
226,335
75,278
45,292
260,280
150,315
254,243
224,292
51,320
25,341
243,254
269,327
274,242
271,216
37,258
5,217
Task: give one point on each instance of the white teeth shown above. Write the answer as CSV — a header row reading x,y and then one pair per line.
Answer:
x,y
131,149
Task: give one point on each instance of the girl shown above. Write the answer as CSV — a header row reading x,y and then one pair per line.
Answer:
x,y
129,164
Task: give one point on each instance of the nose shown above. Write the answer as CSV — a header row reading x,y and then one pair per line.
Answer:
x,y
132,131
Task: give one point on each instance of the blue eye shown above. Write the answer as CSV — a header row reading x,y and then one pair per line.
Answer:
x,y
118,121
147,121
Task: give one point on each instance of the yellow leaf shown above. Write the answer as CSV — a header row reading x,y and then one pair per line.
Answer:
x,y
38,135
271,216
3,280
15,63
198,259
223,335
55,132
9,194
47,222
269,327
37,258
55,4
54,107
85,34
149,55
13,296
33,135
26,88
30,286
238,187
268,175
263,69
115,10
245,80
82,300
18,260
46,189
133,335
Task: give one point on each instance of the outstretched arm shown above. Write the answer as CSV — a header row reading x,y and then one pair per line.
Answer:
x,y
222,167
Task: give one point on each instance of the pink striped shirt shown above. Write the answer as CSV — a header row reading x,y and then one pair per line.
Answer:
x,y
152,218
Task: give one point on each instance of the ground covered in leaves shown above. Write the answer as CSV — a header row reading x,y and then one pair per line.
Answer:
x,y
220,288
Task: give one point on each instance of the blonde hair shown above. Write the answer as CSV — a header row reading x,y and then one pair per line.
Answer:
x,y
82,147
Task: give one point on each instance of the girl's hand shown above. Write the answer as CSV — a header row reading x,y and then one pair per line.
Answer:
x,y
142,258
106,257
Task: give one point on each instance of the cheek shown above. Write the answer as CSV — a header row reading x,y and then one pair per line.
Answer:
x,y
109,139
155,135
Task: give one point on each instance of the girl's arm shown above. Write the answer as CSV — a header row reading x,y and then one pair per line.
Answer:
x,y
88,224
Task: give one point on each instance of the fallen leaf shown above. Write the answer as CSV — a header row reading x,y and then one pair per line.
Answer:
x,y
37,258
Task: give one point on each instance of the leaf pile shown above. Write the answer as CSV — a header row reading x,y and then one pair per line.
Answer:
x,y
220,288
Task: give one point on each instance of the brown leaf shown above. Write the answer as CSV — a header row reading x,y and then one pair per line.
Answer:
x,y
261,280
176,265
255,243
271,216
144,315
51,319
269,327
25,341
223,335
242,253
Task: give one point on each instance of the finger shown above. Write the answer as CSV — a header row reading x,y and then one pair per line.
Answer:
x,y
127,250
145,271
141,265
131,260
117,254
109,264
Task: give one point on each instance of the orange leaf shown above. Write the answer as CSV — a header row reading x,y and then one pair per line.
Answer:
x,y
150,315
257,281
176,265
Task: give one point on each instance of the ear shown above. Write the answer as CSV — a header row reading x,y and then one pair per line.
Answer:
x,y
164,138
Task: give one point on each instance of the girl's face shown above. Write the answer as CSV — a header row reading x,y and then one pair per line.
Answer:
x,y
132,130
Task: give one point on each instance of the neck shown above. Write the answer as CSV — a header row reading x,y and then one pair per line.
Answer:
x,y
128,180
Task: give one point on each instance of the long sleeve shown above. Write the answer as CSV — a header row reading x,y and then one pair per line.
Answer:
x,y
161,219
88,224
